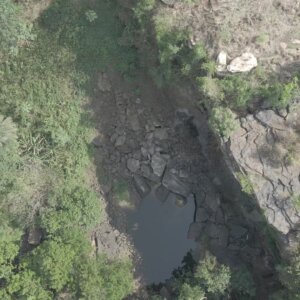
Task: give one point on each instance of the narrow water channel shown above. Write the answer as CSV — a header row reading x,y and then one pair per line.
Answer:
x,y
159,231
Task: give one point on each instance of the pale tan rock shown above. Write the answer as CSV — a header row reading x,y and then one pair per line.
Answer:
x,y
244,63
222,61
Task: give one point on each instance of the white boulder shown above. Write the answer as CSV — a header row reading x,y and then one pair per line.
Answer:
x,y
244,63
221,61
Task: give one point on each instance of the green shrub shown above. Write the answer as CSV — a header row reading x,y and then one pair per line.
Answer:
x,y
142,9
91,15
188,292
289,276
223,121
9,248
279,95
27,285
245,183
242,284
71,207
53,262
238,91
102,279
215,278
210,87
13,29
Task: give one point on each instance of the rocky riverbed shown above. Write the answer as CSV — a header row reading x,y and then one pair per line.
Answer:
x,y
149,137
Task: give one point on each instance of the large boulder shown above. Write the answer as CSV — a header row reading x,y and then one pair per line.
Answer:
x,y
158,164
133,165
141,185
244,63
172,182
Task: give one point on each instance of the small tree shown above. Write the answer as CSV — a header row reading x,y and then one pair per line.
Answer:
x,y
215,278
53,262
223,121
188,292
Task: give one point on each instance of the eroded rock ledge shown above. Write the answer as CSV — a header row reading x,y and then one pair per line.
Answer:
x,y
266,150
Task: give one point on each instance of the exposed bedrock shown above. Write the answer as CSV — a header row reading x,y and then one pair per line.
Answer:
x,y
266,150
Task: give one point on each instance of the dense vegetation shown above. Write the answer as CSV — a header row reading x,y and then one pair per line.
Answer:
x,y
46,75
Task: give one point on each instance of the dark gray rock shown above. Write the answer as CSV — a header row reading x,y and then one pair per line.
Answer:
x,y
219,233
141,185
161,134
147,172
175,185
158,164
97,142
134,122
120,141
195,230
201,215
237,231
133,165
162,193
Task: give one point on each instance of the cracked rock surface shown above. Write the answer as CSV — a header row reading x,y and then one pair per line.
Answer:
x,y
266,149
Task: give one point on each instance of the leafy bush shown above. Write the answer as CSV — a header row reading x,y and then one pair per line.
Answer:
x,y
242,284
44,89
142,9
53,262
238,91
245,183
13,29
222,121
103,279
188,292
27,285
289,276
71,207
279,95
91,15
215,278
9,248
210,87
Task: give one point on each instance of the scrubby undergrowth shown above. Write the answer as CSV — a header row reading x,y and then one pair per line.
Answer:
x,y
44,149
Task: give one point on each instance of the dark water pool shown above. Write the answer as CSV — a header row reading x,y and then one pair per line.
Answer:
x,y
159,231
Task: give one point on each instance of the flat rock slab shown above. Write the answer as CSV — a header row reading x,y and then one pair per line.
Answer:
x,y
158,164
175,185
162,193
141,185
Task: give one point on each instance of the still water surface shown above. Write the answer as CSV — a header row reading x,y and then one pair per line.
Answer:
x,y
159,231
